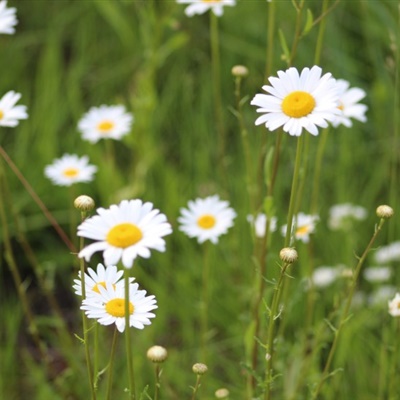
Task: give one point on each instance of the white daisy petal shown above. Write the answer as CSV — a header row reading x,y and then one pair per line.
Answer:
x,y
202,6
10,114
8,19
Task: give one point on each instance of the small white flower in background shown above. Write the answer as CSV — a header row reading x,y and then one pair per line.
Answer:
x,y
325,276
342,216
70,169
102,276
8,18
348,104
388,254
303,226
381,295
394,306
9,112
377,274
202,6
105,122
259,223
206,219
124,232
108,306
298,101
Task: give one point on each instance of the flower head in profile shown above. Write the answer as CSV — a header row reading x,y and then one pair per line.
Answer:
x,y
101,277
9,112
298,101
105,122
394,306
202,6
206,219
259,223
108,306
124,232
302,228
8,18
70,169
348,104
342,216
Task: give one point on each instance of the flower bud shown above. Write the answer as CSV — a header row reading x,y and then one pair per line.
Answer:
x,y
384,212
157,354
199,368
288,255
240,71
222,393
84,203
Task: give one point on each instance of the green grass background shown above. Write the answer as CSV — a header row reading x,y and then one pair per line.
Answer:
x,y
68,56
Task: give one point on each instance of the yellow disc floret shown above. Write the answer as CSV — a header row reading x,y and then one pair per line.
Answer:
x,y
116,307
124,235
105,126
206,221
298,104
70,172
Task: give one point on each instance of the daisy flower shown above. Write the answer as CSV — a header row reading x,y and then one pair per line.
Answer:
x,y
377,274
8,18
303,227
108,306
9,112
394,306
206,219
70,169
388,254
202,6
101,277
298,101
105,122
124,232
324,276
348,104
342,216
259,223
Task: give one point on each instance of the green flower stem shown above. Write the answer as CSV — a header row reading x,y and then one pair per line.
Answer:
x,y
96,355
64,237
317,171
345,312
270,39
299,9
111,364
157,381
293,193
196,387
273,316
85,321
321,33
132,390
205,293
216,67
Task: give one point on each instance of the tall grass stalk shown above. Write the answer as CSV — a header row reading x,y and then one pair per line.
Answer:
x,y
111,364
128,344
205,298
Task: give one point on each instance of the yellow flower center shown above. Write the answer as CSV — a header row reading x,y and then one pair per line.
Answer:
x,y
298,104
341,106
206,221
1,114
70,172
105,126
302,230
116,307
124,235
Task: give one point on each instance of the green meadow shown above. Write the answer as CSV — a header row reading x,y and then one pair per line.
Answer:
x,y
264,326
